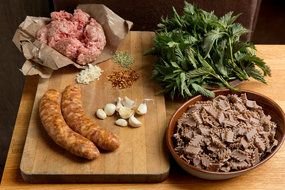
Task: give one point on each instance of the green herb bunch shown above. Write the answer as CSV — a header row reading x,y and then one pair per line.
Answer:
x,y
198,50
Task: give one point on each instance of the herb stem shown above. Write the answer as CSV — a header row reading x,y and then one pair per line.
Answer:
x,y
240,72
224,82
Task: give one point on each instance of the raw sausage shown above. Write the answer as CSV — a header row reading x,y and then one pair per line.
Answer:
x,y
57,129
76,118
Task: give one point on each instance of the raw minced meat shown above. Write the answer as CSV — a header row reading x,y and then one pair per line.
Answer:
x,y
81,17
60,30
68,47
60,15
76,36
92,33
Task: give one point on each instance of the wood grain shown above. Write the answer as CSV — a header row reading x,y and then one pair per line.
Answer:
x,y
140,157
268,176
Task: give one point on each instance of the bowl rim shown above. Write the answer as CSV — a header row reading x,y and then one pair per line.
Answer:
x,y
174,154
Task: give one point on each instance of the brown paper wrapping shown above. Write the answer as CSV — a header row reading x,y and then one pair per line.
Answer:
x,y
42,60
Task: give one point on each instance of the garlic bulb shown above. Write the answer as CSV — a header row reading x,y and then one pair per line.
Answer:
x,y
121,122
119,104
127,102
110,109
125,112
134,122
142,109
101,114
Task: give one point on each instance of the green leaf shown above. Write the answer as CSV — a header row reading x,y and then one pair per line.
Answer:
x,y
191,57
237,30
202,90
210,38
242,47
259,63
256,74
174,64
228,19
177,17
224,82
172,44
220,61
197,73
240,73
189,8
205,64
170,76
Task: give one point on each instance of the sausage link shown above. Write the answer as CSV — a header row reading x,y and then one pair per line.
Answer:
x,y
76,118
53,122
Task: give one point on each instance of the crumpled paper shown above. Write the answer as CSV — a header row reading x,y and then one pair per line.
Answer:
x,y
42,60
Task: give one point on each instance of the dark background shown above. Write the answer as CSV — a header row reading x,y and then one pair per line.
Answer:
x,y
270,29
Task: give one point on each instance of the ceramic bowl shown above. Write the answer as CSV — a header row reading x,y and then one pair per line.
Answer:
x,y
269,107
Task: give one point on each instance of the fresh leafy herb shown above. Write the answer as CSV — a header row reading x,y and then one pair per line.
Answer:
x,y
198,49
124,59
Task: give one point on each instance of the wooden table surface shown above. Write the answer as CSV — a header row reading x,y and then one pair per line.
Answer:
x,y
269,176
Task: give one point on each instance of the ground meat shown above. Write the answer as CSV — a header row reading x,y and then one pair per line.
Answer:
x,y
60,16
68,47
76,36
81,18
226,134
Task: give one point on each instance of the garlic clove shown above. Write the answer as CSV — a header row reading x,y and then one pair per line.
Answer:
x,y
142,109
121,122
125,112
119,103
110,109
127,102
134,122
101,114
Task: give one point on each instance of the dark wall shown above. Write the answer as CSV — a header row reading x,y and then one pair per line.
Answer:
x,y
12,13
270,28
147,15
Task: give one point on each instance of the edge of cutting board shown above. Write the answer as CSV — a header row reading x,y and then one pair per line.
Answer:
x,y
45,178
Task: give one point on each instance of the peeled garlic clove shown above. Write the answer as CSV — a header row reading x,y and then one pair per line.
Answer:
x,y
134,122
142,109
101,114
110,109
121,122
127,102
125,112
119,104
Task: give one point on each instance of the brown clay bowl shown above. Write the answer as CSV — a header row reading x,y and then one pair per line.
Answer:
x,y
270,108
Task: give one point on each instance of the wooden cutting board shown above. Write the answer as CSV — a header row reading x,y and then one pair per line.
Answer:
x,y
141,156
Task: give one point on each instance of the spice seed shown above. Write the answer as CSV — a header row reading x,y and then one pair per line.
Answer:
x,y
124,59
123,79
